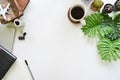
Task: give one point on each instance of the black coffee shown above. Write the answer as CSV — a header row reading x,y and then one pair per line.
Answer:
x,y
77,12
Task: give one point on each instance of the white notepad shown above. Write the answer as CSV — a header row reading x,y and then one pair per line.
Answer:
x,y
18,71
7,35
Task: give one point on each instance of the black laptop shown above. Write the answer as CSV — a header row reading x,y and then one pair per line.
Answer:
x,y
6,61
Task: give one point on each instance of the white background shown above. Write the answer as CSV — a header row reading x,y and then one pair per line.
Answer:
x,y
56,49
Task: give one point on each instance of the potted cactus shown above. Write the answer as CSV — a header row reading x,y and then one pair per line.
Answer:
x,y
96,5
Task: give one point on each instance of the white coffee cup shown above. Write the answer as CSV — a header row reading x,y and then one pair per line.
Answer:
x,y
19,23
77,13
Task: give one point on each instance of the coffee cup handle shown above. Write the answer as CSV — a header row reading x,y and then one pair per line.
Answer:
x,y
82,21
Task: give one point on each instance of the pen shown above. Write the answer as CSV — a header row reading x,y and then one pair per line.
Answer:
x,y
29,69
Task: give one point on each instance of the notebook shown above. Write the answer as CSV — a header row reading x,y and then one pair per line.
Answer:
x,y
19,71
6,61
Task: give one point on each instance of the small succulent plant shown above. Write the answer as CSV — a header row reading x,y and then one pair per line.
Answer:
x,y
117,5
108,8
98,3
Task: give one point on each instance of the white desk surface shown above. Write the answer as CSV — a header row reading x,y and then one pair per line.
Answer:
x,y
56,49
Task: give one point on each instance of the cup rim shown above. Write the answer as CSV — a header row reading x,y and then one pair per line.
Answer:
x,y
77,5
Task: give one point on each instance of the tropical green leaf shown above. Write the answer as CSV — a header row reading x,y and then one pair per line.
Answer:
x,y
96,25
117,20
109,50
115,34
107,29
107,20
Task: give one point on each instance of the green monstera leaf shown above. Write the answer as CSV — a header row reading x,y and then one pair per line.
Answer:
x,y
95,26
107,29
109,50
115,34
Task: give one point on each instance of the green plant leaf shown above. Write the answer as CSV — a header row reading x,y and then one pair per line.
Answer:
x,y
107,20
97,25
109,50
108,31
117,20
115,34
